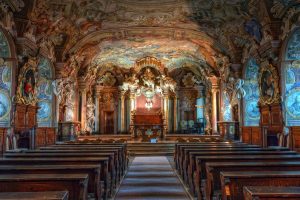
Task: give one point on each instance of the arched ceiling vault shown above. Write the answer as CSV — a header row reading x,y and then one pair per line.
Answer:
x,y
174,47
198,32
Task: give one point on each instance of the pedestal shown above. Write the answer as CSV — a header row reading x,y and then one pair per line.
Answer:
x,y
229,130
68,131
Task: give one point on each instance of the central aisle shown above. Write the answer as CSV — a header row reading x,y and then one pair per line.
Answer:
x,y
151,178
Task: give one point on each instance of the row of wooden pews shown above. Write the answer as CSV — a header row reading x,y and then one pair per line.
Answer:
x,y
83,169
225,170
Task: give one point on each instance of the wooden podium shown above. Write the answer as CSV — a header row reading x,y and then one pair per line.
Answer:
x,y
147,123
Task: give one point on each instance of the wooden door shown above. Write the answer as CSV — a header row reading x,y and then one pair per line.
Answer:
x,y
109,122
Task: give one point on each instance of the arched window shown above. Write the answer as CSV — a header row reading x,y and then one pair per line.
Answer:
x,y
45,93
251,110
292,80
5,81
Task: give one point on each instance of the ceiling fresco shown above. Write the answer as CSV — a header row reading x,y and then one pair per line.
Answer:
x,y
171,53
180,33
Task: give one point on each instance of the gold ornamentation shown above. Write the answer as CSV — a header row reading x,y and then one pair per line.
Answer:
x,y
268,85
27,83
107,80
149,62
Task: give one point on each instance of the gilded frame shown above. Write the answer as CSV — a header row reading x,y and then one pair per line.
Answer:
x,y
27,83
268,85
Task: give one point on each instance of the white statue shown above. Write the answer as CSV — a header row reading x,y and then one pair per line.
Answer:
x,y
90,114
58,88
240,91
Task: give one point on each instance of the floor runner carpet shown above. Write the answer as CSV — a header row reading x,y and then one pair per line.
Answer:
x,y
151,178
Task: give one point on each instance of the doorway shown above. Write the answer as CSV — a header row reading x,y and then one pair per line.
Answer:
x,y
109,122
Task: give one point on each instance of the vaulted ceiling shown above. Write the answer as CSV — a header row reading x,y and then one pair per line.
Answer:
x,y
178,32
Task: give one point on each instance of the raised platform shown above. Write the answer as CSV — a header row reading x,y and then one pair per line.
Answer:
x,y
169,138
162,147
151,149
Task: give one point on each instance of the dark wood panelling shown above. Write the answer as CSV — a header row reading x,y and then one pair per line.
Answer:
x,y
2,139
265,116
40,137
252,135
44,137
271,124
276,116
50,136
246,135
25,117
20,116
256,136
295,133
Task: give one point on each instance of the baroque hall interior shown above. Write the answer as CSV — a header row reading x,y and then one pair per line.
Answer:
x,y
146,78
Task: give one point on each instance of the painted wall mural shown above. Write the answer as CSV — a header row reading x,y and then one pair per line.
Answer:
x,y
5,83
292,94
293,48
44,93
292,81
251,110
172,53
226,108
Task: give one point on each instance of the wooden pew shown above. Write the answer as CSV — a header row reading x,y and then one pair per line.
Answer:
x,y
233,182
188,164
94,185
118,162
182,151
213,170
121,145
112,169
184,157
200,173
179,144
180,148
75,184
96,147
103,161
122,159
51,195
271,193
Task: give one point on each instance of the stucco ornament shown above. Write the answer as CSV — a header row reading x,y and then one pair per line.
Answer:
x,y
189,80
107,80
223,64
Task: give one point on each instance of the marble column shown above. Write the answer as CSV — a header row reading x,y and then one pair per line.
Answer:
x,y
82,93
123,114
215,91
166,113
175,114
97,112
132,108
